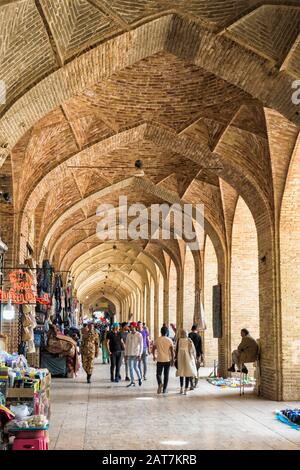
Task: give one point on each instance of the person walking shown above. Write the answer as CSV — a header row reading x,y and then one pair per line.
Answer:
x,y
104,339
146,349
115,346
185,358
165,359
89,349
124,334
133,351
197,340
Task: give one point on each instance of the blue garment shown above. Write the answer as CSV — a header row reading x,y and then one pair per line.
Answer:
x,y
144,361
133,364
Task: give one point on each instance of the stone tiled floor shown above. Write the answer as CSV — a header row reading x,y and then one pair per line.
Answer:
x,y
110,416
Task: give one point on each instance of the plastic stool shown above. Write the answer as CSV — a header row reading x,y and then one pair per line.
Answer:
x,y
30,444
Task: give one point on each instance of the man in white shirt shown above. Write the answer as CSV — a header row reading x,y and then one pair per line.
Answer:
x,y
165,358
133,351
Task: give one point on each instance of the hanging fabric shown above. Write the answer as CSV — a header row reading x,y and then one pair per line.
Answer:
x,y
217,311
202,323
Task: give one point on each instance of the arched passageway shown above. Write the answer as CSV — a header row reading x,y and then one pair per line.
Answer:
x,y
90,105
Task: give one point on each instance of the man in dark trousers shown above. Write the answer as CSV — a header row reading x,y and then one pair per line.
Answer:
x,y
197,340
165,359
115,347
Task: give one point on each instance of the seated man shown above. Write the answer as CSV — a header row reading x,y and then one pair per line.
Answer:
x,y
247,351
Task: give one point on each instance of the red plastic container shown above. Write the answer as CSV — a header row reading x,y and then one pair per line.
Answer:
x,y
30,434
40,443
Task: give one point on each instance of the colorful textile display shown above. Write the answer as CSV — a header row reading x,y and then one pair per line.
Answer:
x,y
230,382
290,416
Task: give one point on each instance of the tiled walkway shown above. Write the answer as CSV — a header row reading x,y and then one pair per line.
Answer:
x,y
110,416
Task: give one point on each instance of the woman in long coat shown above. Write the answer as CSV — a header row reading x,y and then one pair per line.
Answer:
x,y
186,360
89,350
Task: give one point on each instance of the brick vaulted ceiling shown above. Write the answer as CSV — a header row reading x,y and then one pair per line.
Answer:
x,y
200,90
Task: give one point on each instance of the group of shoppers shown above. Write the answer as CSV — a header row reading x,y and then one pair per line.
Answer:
x,y
129,344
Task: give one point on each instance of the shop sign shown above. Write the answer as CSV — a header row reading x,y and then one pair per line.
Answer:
x,y
21,291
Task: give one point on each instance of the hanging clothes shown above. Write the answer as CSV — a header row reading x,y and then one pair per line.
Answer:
x,y
201,320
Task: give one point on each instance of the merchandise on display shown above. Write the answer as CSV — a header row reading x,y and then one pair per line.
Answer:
x,y
25,401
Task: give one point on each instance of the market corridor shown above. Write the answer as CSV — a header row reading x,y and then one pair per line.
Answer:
x,y
110,416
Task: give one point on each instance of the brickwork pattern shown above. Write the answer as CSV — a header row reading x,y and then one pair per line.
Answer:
x,y
201,92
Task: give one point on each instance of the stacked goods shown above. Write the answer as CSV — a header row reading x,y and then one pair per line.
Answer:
x,y
23,386
37,422
62,346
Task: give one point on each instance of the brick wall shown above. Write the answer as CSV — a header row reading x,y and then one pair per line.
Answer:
x,y
290,277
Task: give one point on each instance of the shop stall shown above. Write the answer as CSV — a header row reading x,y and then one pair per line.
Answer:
x,y
42,304
24,404
60,355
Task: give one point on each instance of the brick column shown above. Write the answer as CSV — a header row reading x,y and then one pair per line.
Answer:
x,y
179,305
156,311
198,286
7,228
269,303
224,347
166,301
142,313
148,307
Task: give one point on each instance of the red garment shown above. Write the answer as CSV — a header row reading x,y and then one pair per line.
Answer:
x,y
5,415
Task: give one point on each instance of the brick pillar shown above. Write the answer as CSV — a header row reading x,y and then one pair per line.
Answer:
x,y
224,352
142,296
166,301
179,304
137,306
7,228
148,306
269,303
198,286
156,309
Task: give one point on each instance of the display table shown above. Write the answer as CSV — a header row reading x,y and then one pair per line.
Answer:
x,y
39,396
